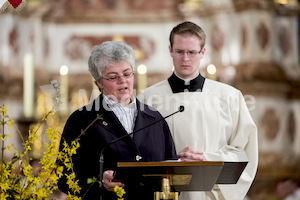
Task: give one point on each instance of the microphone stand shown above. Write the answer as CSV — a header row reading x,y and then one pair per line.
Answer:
x,y
180,109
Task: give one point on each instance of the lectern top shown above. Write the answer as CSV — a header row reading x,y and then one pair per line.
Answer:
x,y
169,163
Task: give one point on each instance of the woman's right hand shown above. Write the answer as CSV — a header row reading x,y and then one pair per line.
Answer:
x,y
108,184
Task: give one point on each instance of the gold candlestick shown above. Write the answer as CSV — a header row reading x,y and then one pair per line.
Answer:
x,y
165,193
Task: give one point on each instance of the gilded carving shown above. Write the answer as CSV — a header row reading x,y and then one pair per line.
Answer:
x,y
284,40
270,124
217,39
244,36
76,47
291,127
262,34
13,40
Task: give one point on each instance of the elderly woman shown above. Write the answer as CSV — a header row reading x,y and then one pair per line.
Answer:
x,y
112,66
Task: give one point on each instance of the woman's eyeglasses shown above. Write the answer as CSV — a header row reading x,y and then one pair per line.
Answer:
x,y
114,76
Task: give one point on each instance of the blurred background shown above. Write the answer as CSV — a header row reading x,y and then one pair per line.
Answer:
x,y
252,45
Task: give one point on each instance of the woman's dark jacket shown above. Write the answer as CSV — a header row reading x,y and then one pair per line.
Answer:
x,y
153,143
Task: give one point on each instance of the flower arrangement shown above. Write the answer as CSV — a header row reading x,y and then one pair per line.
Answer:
x,y
119,192
17,178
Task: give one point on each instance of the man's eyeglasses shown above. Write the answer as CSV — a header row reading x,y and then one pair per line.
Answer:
x,y
190,54
114,76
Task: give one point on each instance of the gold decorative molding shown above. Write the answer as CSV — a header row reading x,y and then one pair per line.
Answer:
x,y
107,11
204,9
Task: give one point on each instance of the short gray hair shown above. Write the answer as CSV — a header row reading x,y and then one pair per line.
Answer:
x,y
109,52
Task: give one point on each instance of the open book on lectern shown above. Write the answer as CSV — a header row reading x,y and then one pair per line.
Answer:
x,y
183,176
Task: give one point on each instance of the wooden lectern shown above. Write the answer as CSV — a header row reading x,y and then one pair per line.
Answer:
x,y
181,176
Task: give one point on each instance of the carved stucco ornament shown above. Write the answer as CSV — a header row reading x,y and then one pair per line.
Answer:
x,y
262,34
270,124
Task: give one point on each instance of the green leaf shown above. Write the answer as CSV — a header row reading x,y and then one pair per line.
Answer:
x,y
18,180
90,180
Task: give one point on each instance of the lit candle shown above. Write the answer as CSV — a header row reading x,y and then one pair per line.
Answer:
x,y
142,77
211,70
64,89
28,84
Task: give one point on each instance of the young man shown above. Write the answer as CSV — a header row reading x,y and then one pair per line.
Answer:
x,y
216,124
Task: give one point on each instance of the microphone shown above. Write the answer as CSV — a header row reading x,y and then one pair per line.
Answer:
x,y
180,109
